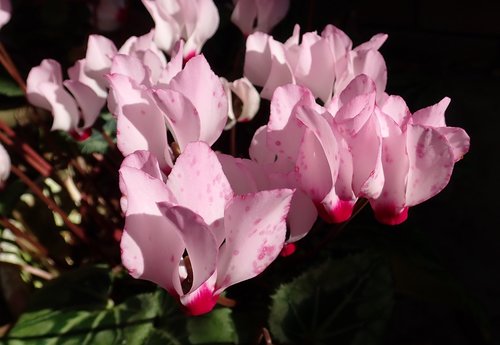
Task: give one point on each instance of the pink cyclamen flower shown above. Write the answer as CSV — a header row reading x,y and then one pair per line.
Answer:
x,y
5,12
228,238
194,21
324,63
258,15
419,153
4,166
191,104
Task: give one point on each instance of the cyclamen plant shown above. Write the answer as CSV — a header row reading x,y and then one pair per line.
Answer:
x,y
198,221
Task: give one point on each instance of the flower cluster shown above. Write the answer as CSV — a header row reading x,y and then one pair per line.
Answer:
x,y
197,221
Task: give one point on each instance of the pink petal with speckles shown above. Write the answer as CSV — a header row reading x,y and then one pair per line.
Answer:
x,y
140,123
431,163
182,117
148,237
255,233
389,207
204,89
199,241
432,116
198,182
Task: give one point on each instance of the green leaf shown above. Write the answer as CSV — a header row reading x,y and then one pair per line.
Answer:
x,y
130,322
109,125
216,327
9,88
76,309
342,301
95,144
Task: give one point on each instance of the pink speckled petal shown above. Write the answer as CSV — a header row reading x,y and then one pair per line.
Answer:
x,y
318,159
204,89
259,150
151,246
198,239
396,108
237,172
130,66
366,151
389,207
458,139
432,116
140,123
284,131
182,118
255,233
431,163
198,182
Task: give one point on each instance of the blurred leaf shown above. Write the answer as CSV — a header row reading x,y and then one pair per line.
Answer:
x,y
109,123
342,301
216,327
9,88
95,144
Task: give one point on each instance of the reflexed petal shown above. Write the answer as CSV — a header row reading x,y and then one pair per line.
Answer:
x,y
130,66
90,104
389,207
258,58
167,30
140,123
204,89
100,53
259,150
280,72
182,118
458,140
396,108
255,233
198,240
206,24
431,163
432,116
198,182
148,237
